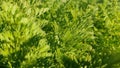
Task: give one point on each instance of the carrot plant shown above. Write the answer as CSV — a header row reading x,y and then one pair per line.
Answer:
x,y
59,33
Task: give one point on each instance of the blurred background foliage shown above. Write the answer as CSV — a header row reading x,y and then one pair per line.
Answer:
x,y
59,33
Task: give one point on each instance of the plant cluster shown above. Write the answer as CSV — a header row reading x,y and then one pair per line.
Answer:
x,y
59,33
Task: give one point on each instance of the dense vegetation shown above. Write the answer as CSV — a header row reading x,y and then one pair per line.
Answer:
x,y
59,34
